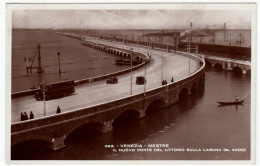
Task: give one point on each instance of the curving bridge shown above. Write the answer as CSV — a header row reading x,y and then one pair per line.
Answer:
x,y
54,129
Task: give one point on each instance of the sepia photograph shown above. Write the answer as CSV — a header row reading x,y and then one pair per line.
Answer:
x,y
131,82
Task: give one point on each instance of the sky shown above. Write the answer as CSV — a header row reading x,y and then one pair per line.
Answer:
x,y
131,19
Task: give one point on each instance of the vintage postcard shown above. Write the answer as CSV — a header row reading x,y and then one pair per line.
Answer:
x,y
165,83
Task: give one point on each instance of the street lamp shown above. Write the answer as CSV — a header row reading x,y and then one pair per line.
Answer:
x,y
162,68
145,78
44,89
131,70
189,66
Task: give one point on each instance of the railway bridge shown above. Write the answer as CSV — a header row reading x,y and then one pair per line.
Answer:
x,y
237,66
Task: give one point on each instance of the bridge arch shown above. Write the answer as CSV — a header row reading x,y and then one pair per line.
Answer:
x,y
201,82
131,111
208,64
154,104
194,87
32,137
125,116
248,73
87,125
184,93
218,66
237,70
29,147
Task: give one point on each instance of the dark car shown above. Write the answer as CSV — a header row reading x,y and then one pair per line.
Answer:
x,y
112,80
140,80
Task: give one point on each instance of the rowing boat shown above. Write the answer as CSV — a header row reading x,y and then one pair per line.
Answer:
x,y
231,103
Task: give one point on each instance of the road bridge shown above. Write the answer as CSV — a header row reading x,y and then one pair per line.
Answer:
x,y
100,104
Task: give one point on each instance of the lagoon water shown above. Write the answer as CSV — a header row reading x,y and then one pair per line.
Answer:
x,y
196,123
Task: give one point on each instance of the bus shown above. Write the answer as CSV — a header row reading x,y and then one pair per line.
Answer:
x,y
55,90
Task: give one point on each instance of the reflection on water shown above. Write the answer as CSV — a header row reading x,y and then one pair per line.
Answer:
x,y
196,122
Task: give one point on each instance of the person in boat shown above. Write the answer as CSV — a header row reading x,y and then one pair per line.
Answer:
x,y
236,98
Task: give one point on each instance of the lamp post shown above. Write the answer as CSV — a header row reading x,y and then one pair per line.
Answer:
x,y
44,89
131,70
58,53
162,68
145,78
189,66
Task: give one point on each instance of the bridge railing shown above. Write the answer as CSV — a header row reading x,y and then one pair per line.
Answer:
x,y
243,62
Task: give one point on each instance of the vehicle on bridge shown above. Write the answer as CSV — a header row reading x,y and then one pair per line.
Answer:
x,y
140,80
55,90
112,80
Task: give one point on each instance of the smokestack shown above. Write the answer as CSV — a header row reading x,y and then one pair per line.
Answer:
x,y
225,32
190,41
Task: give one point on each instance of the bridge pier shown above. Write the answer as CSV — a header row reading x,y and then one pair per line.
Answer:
x,y
141,114
189,91
107,126
58,143
224,65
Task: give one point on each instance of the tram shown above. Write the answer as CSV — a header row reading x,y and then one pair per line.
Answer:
x,y
55,90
